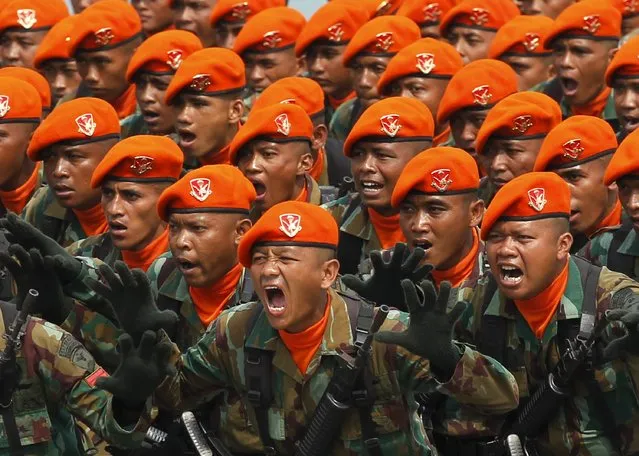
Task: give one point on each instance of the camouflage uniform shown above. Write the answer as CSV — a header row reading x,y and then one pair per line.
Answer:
x,y
133,125
578,428
100,246
57,379
487,190
344,118
625,258
218,360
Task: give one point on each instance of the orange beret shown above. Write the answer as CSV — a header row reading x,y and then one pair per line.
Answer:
x,y
140,158
576,140
56,44
393,119
531,196
480,14
105,25
282,122
625,160
383,36
334,23
32,15
374,8
210,71
273,29
81,120
625,61
586,19
290,223
304,92
163,53
522,35
211,188
34,78
440,171
428,58
522,115
627,8
240,11
19,101
425,12
479,85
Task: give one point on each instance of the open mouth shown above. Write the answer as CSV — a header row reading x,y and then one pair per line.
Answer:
x,y
260,188
423,244
150,115
185,265
569,86
630,122
186,138
511,275
371,187
275,300
117,227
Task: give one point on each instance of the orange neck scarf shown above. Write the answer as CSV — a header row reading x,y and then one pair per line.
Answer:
x,y
458,273
442,137
386,228
210,301
336,103
318,166
595,107
92,220
303,345
144,257
15,200
126,103
303,195
223,157
538,311
612,219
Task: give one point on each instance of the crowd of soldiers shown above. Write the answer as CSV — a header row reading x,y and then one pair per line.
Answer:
x,y
396,227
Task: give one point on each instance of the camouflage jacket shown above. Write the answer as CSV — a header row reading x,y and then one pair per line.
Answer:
x,y
133,125
344,118
486,190
100,246
218,361
45,213
578,428
624,259
57,383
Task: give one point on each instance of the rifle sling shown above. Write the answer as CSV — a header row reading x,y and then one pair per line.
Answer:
x,y
9,313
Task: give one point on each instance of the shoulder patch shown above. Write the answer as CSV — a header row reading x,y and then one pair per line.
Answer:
x,y
73,350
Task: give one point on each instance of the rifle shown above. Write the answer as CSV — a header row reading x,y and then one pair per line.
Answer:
x,y
205,444
335,403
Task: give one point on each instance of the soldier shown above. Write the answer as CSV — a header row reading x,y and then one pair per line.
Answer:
x,y
582,40
155,15
579,150
20,113
520,44
509,140
367,55
193,16
426,15
330,166
36,80
151,70
630,15
322,43
131,176
383,140
54,60
105,37
23,26
436,63
471,26
470,95
206,93
71,142
622,75
548,8
228,17
290,336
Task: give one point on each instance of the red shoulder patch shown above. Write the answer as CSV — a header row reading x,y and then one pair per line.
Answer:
x,y
93,378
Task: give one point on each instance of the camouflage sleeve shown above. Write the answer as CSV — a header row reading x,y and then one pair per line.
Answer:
x,y
153,272
337,208
33,211
339,126
83,247
596,250
69,373
81,288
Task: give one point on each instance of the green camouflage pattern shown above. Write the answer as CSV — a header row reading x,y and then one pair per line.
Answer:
x,y
598,249
54,387
133,125
577,429
100,247
487,190
340,124
217,361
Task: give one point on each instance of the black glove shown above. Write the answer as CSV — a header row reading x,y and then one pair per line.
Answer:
x,y
429,332
628,343
29,237
384,286
141,369
30,271
133,301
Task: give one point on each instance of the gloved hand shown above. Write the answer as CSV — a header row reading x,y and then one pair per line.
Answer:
x,y
628,343
29,237
30,271
430,330
384,286
133,301
141,369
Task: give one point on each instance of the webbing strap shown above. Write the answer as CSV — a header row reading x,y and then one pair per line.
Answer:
x,y
9,313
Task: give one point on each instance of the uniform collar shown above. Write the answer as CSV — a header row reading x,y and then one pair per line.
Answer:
x,y
608,113
314,193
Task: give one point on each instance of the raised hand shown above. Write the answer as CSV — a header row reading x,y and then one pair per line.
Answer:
x,y
141,370
625,344
129,292
430,330
384,286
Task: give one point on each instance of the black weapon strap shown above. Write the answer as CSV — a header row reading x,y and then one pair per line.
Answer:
x,y
617,261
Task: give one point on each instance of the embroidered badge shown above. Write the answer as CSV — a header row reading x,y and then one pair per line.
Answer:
x,y
390,124
86,124
335,32
479,16
4,105
200,188
432,12
290,224
531,41
27,18
441,179
537,198
283,124
200,82
592,24
271,39
103,36
174,58
240,11
522,123
141,164
572,149
384,41
425,62
482,95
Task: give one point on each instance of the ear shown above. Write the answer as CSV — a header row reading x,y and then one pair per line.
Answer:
x,y
551,72
611,53
320,135
236,111
300,67
330,269
563,246
241,227
305,162
476,209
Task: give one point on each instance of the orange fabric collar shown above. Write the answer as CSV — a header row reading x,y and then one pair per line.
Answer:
x,y
442,137
126,104
144,257
538,311
15,200
336,103
304,345
386,228
595,107
318,166
458,273
210,301
612,219
92,220
223,157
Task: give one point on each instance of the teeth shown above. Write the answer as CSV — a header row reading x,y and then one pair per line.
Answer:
x,y
371,185
508,268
